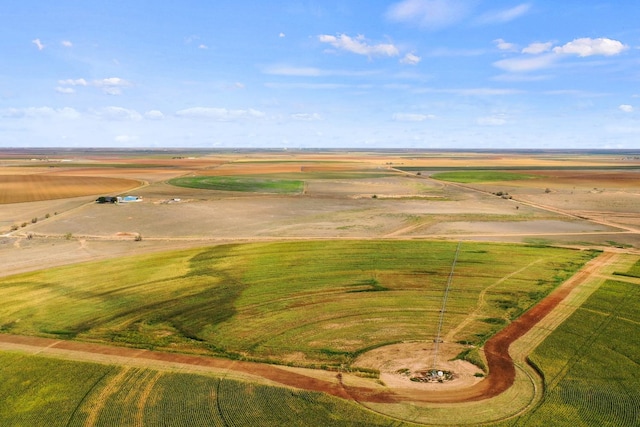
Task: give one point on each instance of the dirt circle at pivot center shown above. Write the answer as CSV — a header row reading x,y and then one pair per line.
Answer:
x,y
402,365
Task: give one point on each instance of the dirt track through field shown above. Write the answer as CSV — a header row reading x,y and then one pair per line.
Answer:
x,y
501,366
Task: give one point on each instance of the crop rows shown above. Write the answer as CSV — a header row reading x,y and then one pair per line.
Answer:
x,y
43,392
37,391
591,363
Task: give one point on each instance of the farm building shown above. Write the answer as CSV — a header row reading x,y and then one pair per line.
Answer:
x,y
129,199
106,199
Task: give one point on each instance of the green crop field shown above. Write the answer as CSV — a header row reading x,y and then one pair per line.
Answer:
x,y
38,391
468,177
244,184
322,302
591,364
634,271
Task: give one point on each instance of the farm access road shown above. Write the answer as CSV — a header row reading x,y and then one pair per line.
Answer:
x,y
501,365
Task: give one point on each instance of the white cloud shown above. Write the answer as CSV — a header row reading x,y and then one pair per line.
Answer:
x,y
546,57
65,90
38,44
118,114
359,45
588,47
501,16
526,64
537,48
430,14
203,46
219,114
306,117
411,59
111,85
112,91
626,108
412,117
281,35
154,115
491,121
111,81
73,82
40,112
503,45
66,43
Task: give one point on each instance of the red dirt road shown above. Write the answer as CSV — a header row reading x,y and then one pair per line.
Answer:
x,y
501,368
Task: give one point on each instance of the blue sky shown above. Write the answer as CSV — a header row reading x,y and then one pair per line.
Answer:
x,y
310,74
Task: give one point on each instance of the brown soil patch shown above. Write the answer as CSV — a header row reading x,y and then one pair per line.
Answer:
x,y
398,363
30,188
290,166
590,179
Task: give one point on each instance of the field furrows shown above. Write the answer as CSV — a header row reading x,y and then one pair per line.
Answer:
x,y
29,188
592,360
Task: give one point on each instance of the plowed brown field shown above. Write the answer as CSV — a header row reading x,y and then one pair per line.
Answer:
x,y
31,188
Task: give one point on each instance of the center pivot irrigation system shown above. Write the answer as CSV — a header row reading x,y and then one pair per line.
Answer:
x,y
442,310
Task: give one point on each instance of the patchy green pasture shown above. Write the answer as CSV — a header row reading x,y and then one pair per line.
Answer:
x,y
469,177
243,184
